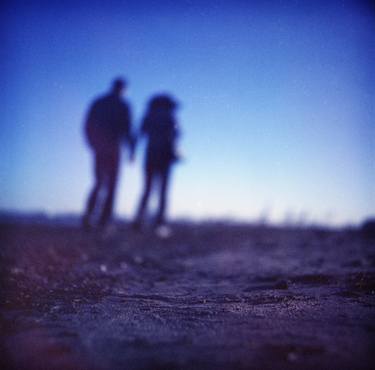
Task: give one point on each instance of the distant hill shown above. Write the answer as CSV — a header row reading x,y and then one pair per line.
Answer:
x,y
38,217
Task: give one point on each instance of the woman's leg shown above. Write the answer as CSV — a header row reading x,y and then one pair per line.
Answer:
x,y
148,180
163,195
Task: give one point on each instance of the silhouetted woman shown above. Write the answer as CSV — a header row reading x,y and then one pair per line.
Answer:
x,y
160,129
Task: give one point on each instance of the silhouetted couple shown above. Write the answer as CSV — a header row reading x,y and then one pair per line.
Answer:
x,y
107,127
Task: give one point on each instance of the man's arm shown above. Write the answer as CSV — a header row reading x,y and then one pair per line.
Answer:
x,y
127,130
90,127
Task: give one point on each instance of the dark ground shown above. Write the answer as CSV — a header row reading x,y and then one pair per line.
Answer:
x,y
213,296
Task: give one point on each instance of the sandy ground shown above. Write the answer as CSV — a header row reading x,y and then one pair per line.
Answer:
x,y
213,296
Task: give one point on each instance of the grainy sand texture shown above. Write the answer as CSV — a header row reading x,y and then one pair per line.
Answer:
x,y
212,296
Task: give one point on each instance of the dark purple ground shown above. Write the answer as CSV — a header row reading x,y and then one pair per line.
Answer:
x,y
214,296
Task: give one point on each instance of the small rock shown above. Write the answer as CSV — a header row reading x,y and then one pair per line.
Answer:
x,y
138,259
103,268
163,232
281,285
16,270
292,357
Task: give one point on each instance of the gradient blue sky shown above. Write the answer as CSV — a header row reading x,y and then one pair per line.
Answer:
x,y
277,103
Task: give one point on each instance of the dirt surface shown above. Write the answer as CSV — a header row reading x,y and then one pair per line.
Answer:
x,y
212,296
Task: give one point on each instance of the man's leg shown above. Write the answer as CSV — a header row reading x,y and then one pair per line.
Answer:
x,y
112,169
92,200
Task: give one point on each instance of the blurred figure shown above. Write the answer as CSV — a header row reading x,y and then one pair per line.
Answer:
x,y
161,131
107,127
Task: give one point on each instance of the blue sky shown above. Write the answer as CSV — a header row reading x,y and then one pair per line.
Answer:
x,y
277,104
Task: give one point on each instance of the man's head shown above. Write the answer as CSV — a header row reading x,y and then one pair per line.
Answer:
x,y
119,86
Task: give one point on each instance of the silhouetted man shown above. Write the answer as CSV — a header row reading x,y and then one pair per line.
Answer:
x,y
107,126
160,128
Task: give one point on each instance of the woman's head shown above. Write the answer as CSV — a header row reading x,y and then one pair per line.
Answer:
x,y
162,103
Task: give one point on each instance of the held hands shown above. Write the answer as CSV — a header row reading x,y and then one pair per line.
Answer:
x,y
132,155
132,146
